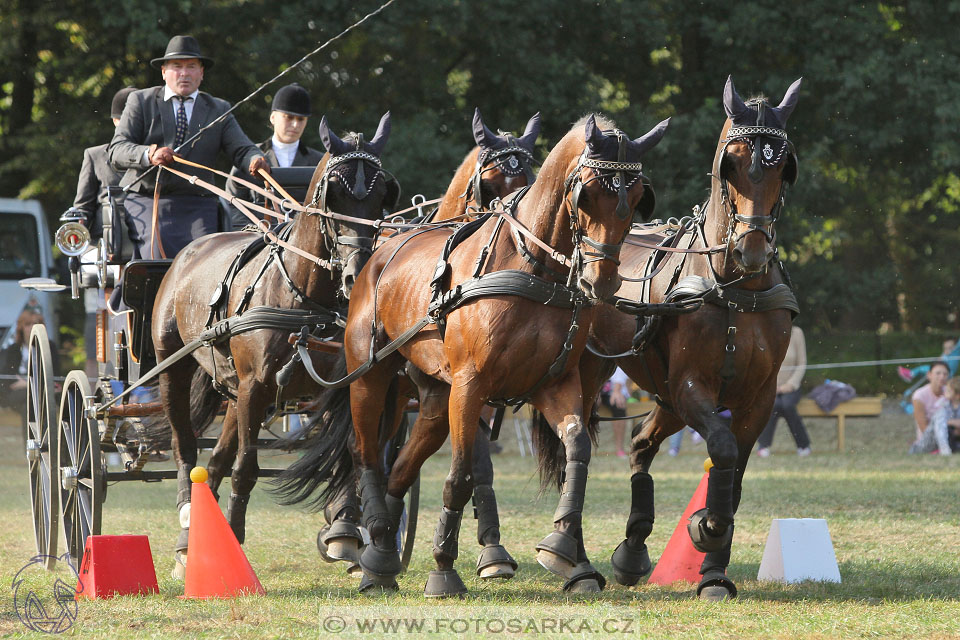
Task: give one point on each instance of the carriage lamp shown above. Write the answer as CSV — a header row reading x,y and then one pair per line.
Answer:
x,y
72,236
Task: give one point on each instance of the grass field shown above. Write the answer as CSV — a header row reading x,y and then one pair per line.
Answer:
x,y
893,519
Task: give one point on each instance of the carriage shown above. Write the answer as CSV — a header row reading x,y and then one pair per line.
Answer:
x,y
69,440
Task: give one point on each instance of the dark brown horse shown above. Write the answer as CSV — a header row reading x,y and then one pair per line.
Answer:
x,y
726,353
497,166
272,287
496,333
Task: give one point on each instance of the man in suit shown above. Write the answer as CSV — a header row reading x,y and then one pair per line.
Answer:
x,y
288,117
96,172
155,126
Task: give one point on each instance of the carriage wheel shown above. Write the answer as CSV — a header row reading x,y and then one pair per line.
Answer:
x,y
407,532
81,467
41,462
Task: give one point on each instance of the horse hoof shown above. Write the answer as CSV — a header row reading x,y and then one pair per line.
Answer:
x,y
629,564
715,586
495,562
555,564
179,571
355,570
588,585
321,545
373,584
444,584
384,563
703,540
716,593
497,572
343,550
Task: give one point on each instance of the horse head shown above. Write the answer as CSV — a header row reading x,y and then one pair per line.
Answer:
x,y
504,163
607,191
753,163
352,183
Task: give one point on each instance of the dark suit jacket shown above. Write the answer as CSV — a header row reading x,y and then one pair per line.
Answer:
x,y
96,174
148,120
304,157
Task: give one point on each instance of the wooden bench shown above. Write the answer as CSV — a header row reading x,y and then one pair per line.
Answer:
x,y
858,407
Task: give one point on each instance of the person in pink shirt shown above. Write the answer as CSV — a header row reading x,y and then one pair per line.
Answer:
x,y
926,397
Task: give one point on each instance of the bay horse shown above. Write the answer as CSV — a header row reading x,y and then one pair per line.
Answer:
x,y
497,166
726,353
264,283
496,333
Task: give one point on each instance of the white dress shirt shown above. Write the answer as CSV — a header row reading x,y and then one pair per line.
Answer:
x,y
175,104
285,151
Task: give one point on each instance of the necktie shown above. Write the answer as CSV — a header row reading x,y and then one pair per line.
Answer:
x,y
181,122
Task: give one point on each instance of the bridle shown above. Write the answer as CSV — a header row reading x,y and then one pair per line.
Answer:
x,y
337,165
760,158
511,160
616,177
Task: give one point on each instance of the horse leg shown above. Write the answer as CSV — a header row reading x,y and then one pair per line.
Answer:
x,y
339,540
711,528
225,451
380,560
174,386
715,585
464,412
253,398
631,560
494,560
562,551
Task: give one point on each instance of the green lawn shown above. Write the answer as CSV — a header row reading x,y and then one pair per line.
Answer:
x,y
893,520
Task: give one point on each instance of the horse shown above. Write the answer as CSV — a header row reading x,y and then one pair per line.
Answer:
x,y
497,332
497,166
275,291
727,352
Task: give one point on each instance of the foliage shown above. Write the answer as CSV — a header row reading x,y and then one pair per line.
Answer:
x,y
869,230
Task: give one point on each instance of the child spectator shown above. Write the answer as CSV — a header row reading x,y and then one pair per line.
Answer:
x,y
946,417
925,400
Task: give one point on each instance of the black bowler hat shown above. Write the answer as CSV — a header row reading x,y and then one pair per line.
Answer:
x,y
120,101
292,99
182,48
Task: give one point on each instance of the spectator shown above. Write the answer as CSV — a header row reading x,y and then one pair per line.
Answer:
x,y
950,355
13,364
616,402
925,401
946,421
677,439
789,377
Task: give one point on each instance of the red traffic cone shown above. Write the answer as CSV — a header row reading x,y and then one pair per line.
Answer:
x,y
216,565
116,566
680,560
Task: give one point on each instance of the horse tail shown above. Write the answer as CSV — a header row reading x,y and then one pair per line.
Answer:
x,y
205,403
328,459
551,454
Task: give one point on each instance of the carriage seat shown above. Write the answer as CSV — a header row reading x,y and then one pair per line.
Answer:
x,y
141,280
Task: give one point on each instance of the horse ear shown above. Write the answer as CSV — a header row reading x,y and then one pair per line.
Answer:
x,y
334,145
591,132
485,138
650,139
733,104
789,101
381,136
531,133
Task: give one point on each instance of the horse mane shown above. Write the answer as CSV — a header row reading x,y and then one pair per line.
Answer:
x,y
556,166
452,204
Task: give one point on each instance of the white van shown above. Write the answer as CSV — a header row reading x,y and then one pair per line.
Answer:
x,y
25,252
